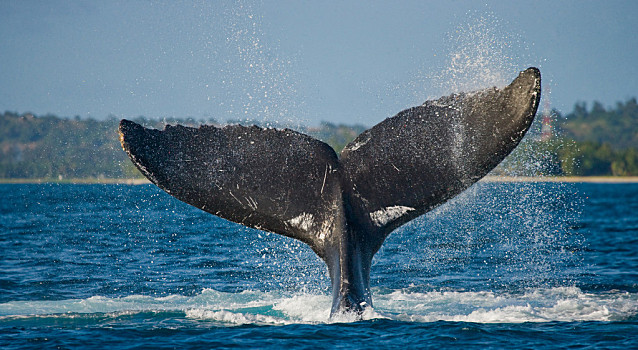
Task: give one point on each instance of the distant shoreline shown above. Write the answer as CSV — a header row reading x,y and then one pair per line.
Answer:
x,y
77,181
570,179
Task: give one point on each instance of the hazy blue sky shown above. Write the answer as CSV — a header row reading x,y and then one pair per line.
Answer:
x,y
304,61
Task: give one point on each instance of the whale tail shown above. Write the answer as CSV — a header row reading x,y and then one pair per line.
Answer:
x,y
288,183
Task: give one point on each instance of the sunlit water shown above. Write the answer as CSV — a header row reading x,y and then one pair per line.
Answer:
x,y
540,265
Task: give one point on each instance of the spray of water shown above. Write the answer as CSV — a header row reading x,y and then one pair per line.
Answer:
x,y
478,57
497,234
263,90
500,235
507,238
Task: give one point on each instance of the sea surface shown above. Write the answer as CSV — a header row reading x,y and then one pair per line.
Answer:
x,y
504,265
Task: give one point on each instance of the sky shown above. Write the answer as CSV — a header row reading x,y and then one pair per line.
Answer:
x,y
303,62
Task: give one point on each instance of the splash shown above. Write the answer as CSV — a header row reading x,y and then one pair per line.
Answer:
x,y
494,236
503,234
563,304
264,90
273,308
480,56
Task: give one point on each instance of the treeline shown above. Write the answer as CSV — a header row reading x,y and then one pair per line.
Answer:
x,y
587,141
55,148
594,141
49,147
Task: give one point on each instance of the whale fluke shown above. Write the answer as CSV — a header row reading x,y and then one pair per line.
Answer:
x,y
288,183
280,181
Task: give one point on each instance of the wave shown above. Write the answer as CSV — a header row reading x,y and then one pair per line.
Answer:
x,y
562,304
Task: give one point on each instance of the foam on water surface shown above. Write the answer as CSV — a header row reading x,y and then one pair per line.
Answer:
x,y
563,304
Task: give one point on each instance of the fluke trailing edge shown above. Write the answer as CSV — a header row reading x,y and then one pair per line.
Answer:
x,y
288,183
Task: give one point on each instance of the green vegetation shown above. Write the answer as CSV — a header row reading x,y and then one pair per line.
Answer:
x,y
607,139
585,142
617,126
590,142
54,148
337,136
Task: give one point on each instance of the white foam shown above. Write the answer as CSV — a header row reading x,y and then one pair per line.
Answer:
x,y
564,304
233,318
305,308
540,305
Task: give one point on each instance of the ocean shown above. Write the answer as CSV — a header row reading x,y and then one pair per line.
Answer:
x,y
504,265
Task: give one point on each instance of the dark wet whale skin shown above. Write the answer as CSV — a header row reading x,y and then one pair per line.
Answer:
x,y
288,183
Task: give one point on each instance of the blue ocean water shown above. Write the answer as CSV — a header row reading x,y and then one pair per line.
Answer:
x,y
514,265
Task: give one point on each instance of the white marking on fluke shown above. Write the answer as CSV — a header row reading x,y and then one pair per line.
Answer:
x,y
385,215
303,221
326,227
